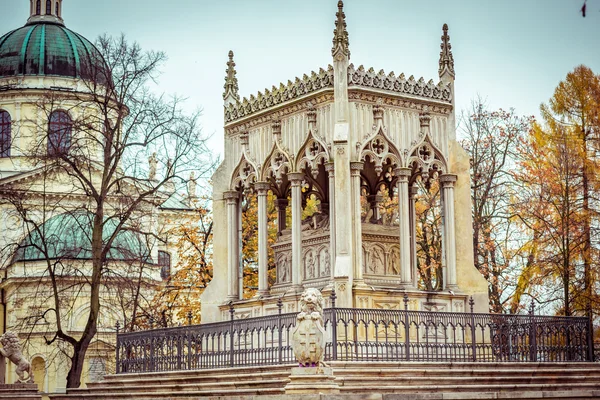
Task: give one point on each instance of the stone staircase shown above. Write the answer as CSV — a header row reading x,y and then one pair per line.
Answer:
x,y
19,391
358,380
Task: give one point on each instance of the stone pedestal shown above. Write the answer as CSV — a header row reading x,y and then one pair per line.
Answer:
x,y
304,380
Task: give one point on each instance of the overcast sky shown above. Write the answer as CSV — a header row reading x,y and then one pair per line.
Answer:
x,y
512,52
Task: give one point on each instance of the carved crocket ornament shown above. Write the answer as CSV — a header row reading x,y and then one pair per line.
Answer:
x,y
308,337
12,350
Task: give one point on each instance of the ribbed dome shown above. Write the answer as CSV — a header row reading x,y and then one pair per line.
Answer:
x,y
45,49
69,236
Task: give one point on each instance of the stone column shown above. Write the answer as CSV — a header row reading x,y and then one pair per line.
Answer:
x,y
329,167
262,189
403,175
281,208
374,200
232,198
447,181
296,179
355,168
413,234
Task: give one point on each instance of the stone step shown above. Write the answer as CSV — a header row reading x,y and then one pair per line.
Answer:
x,y
267,369
449,380
405,373
468,388
183,387
399,365
235,393
580,394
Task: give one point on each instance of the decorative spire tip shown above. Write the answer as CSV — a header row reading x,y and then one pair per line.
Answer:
x,y
341,44
230,95
446,58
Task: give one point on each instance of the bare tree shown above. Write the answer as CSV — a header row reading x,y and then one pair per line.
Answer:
x,y
91,162
491,139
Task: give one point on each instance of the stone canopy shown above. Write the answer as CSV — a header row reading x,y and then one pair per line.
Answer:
x,y
349,138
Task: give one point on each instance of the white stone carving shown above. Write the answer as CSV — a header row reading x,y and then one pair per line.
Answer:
x,y
11,349
308,337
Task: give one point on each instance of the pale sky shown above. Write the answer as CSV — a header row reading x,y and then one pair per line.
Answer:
x,y
513,53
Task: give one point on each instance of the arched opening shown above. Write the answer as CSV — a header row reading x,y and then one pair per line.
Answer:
x,y
59,133
5,134
428,234
58,9
38,367
48,7
38,7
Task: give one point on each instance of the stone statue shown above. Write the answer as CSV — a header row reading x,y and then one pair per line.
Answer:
x,y
152,163
192,185
325,262
309,262
283,269
11,350
308,337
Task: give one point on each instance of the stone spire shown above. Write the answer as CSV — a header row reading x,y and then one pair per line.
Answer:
x,y
45,11
340,34
446,69
230,95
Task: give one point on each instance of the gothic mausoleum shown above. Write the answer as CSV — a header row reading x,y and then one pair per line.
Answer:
x,y
369,150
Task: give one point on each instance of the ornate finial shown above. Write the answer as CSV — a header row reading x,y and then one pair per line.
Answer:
x,y
230,95
340,34
446,59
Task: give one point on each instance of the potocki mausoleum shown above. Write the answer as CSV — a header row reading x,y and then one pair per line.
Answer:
x,y
353,139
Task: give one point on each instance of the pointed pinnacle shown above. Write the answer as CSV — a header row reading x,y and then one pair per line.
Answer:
x,y
231,82
446,58
340,34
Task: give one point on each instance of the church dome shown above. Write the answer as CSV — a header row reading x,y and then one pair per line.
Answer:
x,y
69,236
45,49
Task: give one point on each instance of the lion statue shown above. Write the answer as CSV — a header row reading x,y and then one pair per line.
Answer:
x,y
11,350
311,305
308,337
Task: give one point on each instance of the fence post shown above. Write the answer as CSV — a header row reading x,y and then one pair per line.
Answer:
x,y
473,334
280,330
590,336
118,348
231,341
333,326
150,364
532,333
189,317
406,328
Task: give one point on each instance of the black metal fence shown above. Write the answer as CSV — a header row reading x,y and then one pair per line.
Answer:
x,y
361,335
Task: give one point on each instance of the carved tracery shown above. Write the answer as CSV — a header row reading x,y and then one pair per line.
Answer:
x,y
426,161
244,175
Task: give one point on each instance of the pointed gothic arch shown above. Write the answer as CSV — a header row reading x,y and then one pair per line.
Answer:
x,y
312,153
244,174
426,160
380,150
277,164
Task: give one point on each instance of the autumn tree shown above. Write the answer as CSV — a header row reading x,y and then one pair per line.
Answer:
x,y
177,301
91,162
559,194
491,139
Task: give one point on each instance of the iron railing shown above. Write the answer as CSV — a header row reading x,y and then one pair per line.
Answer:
x,y
360,335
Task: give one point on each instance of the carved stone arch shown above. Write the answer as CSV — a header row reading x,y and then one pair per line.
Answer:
x,y
244,174
277,164
426,160
380,150
311,154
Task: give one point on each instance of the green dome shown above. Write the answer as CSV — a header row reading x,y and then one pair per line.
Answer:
x,y
69,236
47,49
